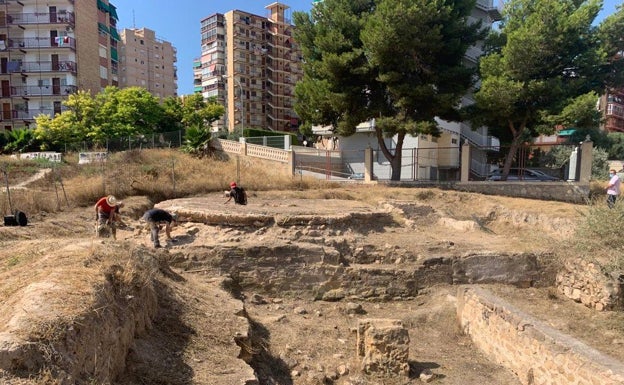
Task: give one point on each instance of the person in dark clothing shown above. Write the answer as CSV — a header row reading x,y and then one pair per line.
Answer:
x,y
156,217
238,193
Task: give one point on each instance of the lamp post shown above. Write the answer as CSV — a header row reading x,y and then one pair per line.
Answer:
x,y
242,101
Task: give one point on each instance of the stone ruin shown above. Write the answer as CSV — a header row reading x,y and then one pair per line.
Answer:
x,y
384,346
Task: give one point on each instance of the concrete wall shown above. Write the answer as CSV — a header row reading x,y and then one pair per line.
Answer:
x,y
535,352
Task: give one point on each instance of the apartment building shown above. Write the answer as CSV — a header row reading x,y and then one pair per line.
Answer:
x,y
148,62
50,49
611,106
251,64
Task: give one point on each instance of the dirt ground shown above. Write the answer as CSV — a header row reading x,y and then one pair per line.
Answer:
x,y
299,341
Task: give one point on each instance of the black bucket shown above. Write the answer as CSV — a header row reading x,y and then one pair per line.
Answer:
x,y
18,219
21,218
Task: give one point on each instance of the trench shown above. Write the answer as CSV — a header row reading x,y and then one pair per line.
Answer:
x,y
506,335
343,273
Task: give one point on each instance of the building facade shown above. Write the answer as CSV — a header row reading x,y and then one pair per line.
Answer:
x,y
251,64
148,62
611,106
50,49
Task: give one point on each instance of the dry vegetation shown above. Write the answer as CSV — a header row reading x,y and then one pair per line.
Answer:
x,y
157,174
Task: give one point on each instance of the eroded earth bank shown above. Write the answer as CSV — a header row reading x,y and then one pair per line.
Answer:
x,y
273,292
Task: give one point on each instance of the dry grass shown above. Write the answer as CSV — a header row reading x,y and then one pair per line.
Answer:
x,y
158,174
598,237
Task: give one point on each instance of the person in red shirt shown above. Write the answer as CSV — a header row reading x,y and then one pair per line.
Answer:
x,y
106,211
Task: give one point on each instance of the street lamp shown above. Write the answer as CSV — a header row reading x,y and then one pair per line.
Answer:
x,y
242,101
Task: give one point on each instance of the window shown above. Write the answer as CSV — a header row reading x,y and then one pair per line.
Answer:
x,y
103,72
142,42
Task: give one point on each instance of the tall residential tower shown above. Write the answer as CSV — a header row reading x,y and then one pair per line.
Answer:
x,y
148,62
251,64
50,49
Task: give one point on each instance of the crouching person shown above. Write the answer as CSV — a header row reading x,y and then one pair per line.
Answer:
x,y
155,218
106,215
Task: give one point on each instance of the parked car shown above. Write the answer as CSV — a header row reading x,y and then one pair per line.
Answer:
x,y
522,174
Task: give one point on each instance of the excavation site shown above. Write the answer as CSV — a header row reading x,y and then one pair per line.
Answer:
x,y
301,288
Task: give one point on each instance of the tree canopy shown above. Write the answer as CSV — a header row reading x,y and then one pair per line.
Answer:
x,y
115,113
398,61
545,56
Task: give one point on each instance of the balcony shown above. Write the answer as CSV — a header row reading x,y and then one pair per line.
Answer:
x,y
41,66
29,115
493,12
42,42
47,90
41,18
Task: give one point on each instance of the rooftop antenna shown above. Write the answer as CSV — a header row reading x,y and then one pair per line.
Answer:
x,y
133,20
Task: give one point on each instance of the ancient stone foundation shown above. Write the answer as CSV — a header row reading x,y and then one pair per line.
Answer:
x,y
384,346
535,352
585,282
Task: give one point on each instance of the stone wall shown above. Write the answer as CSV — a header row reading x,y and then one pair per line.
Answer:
x,y
585,282
535,352
556,191
329,274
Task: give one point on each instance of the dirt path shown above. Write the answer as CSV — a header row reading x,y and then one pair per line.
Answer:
x,y
40,174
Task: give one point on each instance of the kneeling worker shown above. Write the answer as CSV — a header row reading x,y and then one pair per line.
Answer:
x,y
154,218
106,215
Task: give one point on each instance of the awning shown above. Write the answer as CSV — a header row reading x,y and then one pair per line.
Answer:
x,y
113,11
566,132
114,55
114,34
102,28
102,6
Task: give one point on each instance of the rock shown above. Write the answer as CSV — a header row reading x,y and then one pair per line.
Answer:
x,y
342,370
334,295
384,346
257,299
426,375
192,231
354,308
300,310
279,318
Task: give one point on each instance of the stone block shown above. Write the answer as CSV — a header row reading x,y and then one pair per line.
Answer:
x,y
384,346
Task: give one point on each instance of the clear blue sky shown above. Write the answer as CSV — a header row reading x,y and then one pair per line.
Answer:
x,y
178,22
